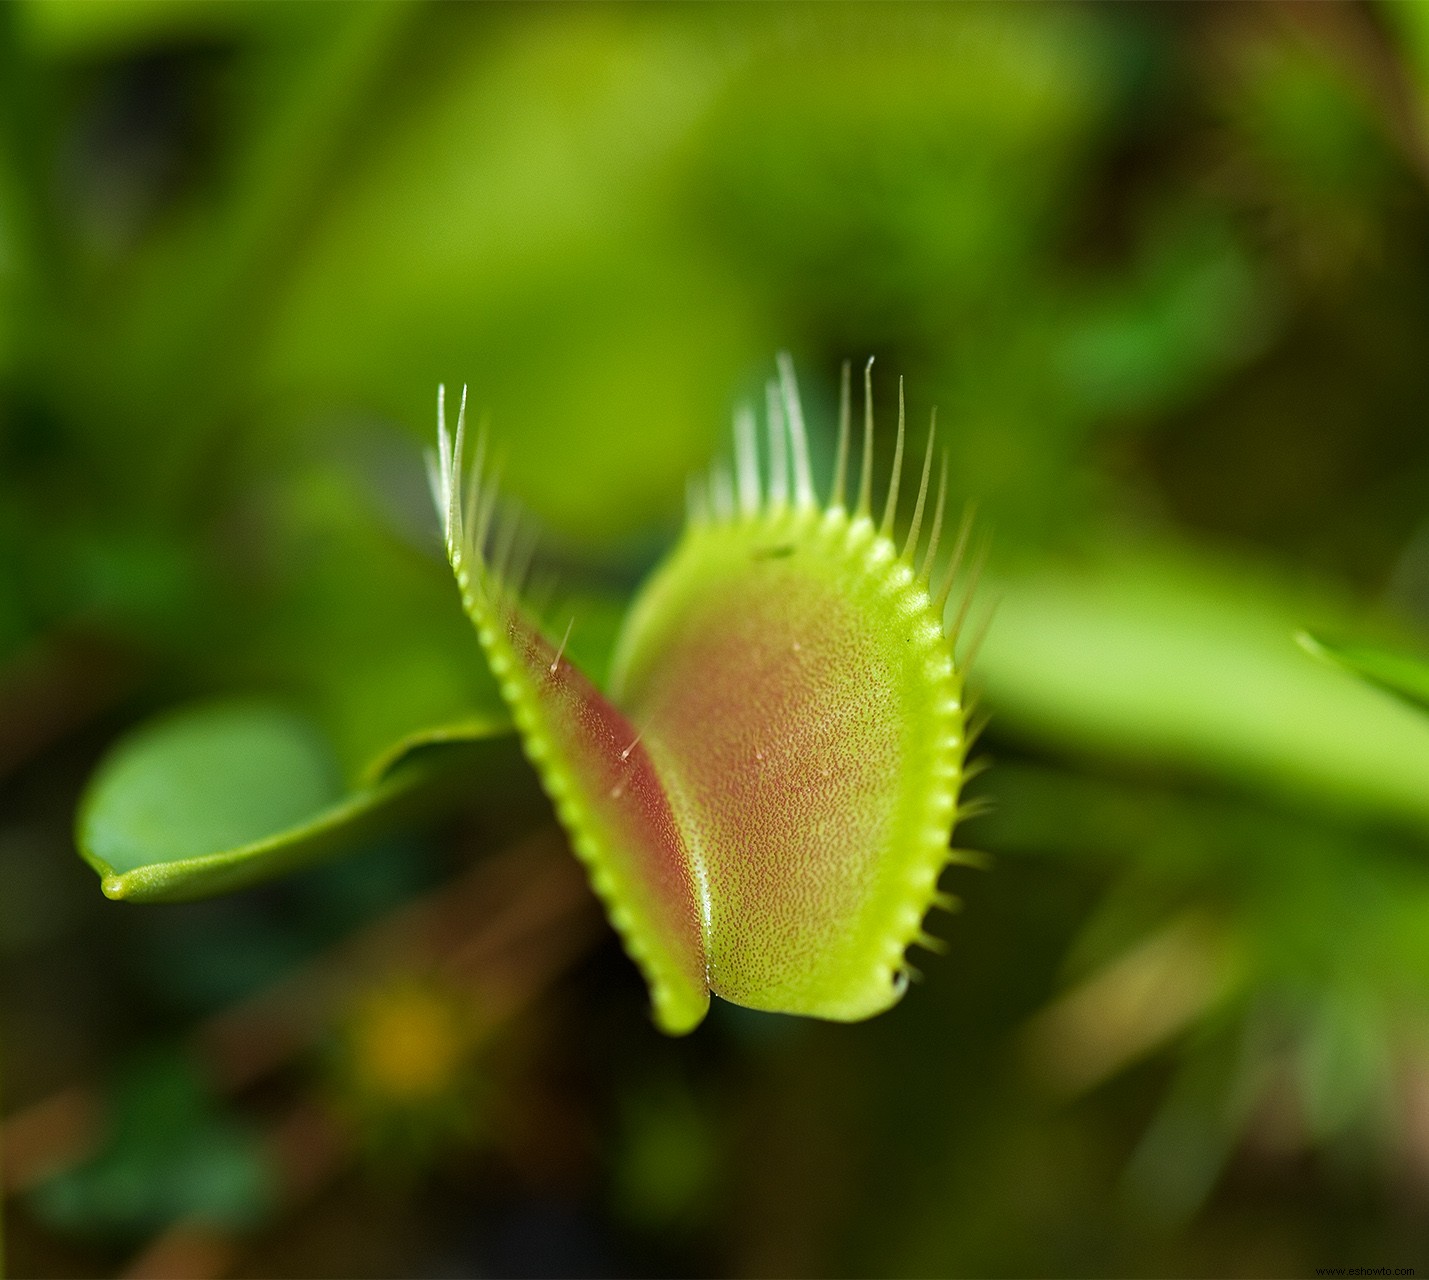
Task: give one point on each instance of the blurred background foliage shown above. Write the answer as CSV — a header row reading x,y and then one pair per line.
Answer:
x,y
1165,272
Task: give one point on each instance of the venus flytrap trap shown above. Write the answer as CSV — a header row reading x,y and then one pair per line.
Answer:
x,y
765,796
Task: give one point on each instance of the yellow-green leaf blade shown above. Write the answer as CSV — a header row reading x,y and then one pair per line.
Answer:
x,y
1402,674
221,796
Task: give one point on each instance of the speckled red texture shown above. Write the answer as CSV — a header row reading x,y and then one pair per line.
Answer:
x,y
800,704
624,804
774,718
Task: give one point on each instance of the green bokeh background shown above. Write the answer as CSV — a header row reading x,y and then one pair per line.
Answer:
x,y
1164,271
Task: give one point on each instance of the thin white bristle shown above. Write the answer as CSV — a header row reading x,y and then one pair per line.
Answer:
x,y
507,531
560,652
978,636
473,483
865,480
517,567
969,591
798,437
778,448
940,597
926,566
836,490
454,495
911,546
890,508
486,513
444,456
746,455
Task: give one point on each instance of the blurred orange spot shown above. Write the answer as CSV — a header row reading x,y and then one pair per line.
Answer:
x,y
407,1043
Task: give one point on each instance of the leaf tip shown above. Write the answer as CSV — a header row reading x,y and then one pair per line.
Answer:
x,y
114,887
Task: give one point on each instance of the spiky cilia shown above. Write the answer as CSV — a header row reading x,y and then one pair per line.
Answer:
x,y
765,796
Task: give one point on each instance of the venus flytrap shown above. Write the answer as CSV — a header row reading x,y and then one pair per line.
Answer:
x,y
764,797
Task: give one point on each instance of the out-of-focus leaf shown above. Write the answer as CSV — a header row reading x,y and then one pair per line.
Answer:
x,y
1189,310
1142,1000
223,795
1185,1147
165,331
1318,144
54,28
527,241
873,183
1400,673
361,629
171,1155
1159,659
